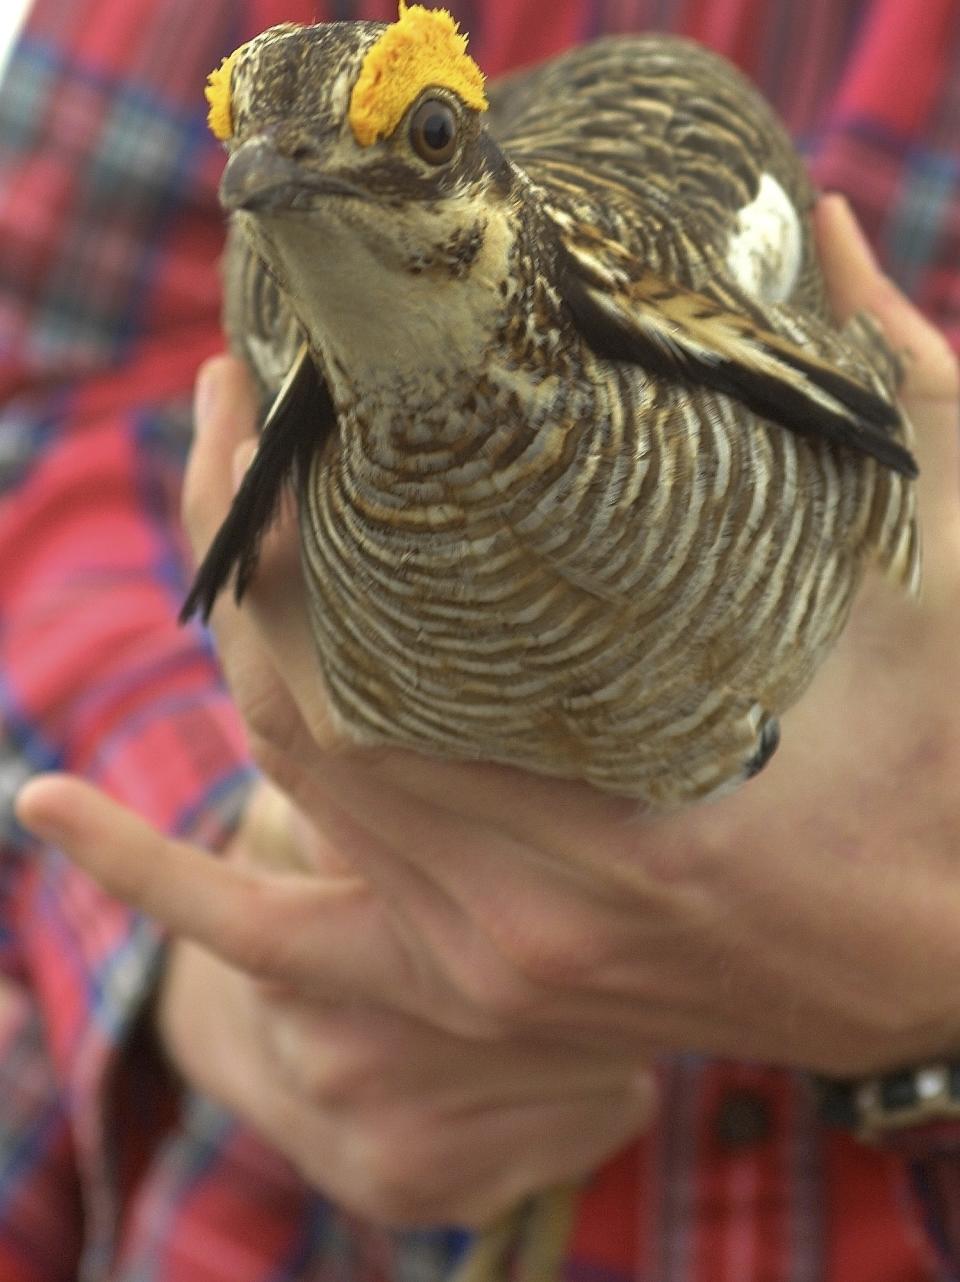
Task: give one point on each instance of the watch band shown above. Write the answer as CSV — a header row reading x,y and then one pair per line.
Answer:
x,y
874,1106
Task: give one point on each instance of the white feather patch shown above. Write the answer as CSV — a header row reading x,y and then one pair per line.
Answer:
x,y
764,252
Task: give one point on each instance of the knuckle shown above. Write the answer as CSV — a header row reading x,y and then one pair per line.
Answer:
x,y
499,996
406,1178
346,1076
552,949
529,961
248,936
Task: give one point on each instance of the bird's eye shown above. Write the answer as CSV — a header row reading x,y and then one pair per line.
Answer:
x,y
433,131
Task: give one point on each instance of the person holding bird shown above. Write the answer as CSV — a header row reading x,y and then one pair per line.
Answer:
x,y
420,988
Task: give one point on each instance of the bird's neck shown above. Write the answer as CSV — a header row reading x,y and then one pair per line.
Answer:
x,y
431,349
444,351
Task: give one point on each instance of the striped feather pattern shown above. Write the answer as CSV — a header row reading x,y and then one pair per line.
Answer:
x,y
577,565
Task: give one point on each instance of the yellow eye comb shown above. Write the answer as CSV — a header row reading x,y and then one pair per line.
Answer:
x,y
423,47
217,92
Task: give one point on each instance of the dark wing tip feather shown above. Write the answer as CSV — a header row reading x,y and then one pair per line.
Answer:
x,y
213,572
864,401
868,431
236,545
299,422
878,416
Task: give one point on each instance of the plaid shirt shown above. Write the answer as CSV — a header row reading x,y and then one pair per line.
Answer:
x,y
109,235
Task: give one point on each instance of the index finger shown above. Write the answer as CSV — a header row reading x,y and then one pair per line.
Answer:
x,y
326,935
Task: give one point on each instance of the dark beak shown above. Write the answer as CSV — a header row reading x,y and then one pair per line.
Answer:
x,y
260,179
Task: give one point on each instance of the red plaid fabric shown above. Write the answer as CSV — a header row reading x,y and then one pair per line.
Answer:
x,y
109,235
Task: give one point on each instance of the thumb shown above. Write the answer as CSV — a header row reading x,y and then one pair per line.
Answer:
x,y
931,385
323,936
856,283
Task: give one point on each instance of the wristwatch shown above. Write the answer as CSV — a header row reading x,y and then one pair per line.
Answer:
x,y
873,1107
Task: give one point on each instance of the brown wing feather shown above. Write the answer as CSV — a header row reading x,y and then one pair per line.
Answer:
x,y
684,334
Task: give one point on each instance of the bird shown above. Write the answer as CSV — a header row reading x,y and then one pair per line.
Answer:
x,y
587,474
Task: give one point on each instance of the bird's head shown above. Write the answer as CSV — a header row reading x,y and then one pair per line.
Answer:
x,y
361,167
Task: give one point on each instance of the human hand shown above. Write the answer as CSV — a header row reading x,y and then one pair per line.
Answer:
x,y
808,919
386,1114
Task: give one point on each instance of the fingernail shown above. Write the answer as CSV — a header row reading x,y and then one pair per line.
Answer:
x,y
41,824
